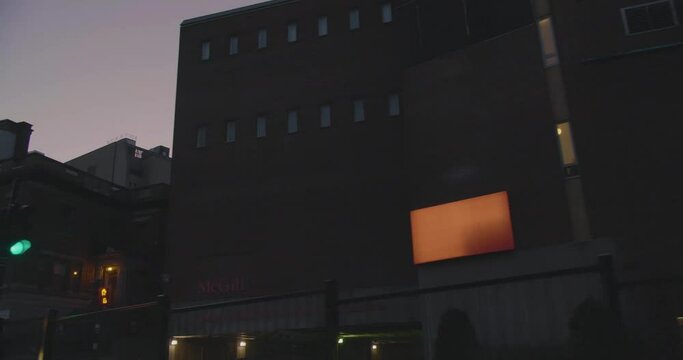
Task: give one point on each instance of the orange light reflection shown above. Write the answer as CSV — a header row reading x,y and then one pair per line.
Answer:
x,y
462,228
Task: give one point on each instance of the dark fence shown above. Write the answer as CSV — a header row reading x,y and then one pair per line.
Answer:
x,y
129,332
504,312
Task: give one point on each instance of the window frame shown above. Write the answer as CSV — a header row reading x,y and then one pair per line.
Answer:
x,y
355,11
290,26
550,58
397,97
383,7
291,130
565,142
672,7
328,123
207,44
261,120
359,110
198,129
262,38
228,125
233,45
324,19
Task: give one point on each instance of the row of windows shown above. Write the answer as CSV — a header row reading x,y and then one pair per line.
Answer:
x,y
293,31
325,118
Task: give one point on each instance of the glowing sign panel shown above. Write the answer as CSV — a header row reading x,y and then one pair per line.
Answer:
x,y
473,226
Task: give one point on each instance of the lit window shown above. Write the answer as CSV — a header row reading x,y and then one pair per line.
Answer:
x,y
648,17
322,26
292,122
564,134
387,16
206,50
354,19
262,38
292,32
234,45
325,116
545,28
230,131
261,126
201,137
394,105
138,153
358,111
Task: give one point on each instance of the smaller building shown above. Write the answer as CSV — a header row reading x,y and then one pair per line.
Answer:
x,y
125,164
86,233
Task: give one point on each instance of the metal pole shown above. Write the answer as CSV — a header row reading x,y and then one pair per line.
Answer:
x,y
48,335
331,303
332,315
4,259
165,310
609,284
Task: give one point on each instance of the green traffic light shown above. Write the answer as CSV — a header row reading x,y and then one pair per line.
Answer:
x,y
20,247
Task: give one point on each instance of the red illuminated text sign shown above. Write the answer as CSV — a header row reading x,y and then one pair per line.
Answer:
x,y
221,286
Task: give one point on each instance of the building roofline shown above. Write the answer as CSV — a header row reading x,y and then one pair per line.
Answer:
x,y
234,12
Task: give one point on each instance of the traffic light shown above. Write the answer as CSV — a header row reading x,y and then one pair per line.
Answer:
x,y
20,247
19,222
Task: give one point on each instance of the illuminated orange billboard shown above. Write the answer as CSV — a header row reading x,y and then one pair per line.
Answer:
x,y
462,228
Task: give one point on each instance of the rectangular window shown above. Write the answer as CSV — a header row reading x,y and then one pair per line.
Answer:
x,y
138,154
358,111
387,15
550,56
292,122
292,35
394,105
230,131
649,17
564,134
354,19
325,116
201,137
233,49
206,50
322,26
261,126
262,39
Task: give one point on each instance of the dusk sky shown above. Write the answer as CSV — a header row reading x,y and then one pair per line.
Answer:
x,y
86,71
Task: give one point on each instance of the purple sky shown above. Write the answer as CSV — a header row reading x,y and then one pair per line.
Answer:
x,y
86,71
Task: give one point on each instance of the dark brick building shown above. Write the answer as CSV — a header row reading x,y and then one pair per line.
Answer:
x,y
307,131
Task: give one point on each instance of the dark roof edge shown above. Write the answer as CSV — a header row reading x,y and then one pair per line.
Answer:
x,y
237,11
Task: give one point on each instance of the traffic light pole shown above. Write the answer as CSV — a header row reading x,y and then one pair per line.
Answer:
x,y
4,259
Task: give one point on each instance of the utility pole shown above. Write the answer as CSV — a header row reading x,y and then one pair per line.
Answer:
x,y
5,242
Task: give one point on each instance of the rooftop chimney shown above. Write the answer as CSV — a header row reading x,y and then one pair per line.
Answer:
x,y
14,139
